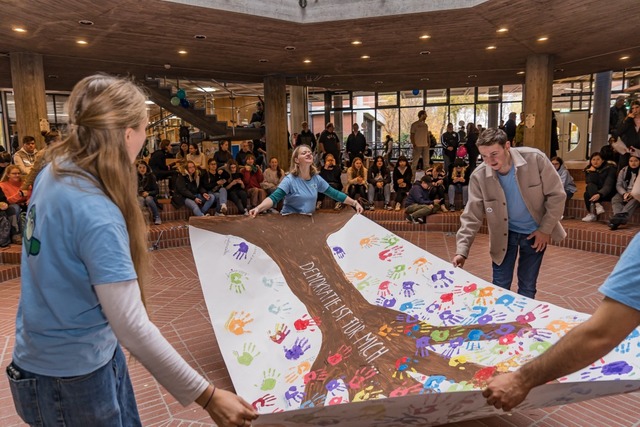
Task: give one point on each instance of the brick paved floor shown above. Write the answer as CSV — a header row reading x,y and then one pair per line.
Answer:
x,y
569,278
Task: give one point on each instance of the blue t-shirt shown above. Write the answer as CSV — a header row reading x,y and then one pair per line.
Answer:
x,y
75,238
623,284
301,195
520,220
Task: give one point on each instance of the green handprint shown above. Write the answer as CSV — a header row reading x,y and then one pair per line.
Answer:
x,y
248,354
390,240
397,272
269,379
236,281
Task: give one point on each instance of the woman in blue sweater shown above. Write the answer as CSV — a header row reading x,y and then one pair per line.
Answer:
x,y
300,188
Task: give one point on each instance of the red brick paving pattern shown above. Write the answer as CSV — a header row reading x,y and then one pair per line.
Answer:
x,y
569,278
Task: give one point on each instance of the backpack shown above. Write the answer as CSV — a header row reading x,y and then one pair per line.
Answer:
x,y
5,231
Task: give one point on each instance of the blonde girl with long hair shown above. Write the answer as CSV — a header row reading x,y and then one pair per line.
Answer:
x,y
84,264
300,188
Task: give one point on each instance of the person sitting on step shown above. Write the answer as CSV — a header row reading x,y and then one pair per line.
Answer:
x,y
235,188
623,203
332,174
601,182
418,204
188,192
438,185
379,180
148,190
459,183
212,181
402,174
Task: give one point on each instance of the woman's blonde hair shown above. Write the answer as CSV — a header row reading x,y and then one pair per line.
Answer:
x,y
7,172
101,109
294,167
354,173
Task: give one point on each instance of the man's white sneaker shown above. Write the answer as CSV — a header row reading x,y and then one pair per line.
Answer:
x,y
599,209
590,218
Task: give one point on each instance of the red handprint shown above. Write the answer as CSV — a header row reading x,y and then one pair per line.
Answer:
x,y
343,353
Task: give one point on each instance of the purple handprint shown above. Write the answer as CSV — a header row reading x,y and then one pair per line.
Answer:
x,y
293,394
423,345
386,302
339,252
241,253
441,280
298,349
407,288
335,386
448,318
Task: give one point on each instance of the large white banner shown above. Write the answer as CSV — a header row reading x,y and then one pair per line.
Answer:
x,y
334,320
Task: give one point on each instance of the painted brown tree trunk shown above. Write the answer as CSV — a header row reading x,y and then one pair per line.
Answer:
x,y
296,240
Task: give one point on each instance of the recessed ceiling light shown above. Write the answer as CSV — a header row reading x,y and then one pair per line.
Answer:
x,y
356,42
543,39
491,47
472,76
425,52
424,79
502,30
148,102
289,48
199,37
52,76
624,57
207,89
85,22
182,52
263,60
425,37
307,61
82,42
520,72
378,82
365,57
19,30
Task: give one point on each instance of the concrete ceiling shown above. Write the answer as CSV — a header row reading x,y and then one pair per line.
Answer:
x,y
141,36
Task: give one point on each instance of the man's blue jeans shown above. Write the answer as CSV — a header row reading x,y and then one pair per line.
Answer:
x,y
528,265
102,398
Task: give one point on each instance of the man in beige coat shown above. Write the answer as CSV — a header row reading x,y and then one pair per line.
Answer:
x,y
521,195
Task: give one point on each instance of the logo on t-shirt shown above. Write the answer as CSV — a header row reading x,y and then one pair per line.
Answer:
x,y
32,244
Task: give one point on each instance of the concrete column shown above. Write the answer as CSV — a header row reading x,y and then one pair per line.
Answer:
x,y
299,107
275,114
493,110
27,78
537,102
601,107
338,120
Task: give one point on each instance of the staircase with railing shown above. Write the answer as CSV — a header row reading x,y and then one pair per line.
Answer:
x,y
161,93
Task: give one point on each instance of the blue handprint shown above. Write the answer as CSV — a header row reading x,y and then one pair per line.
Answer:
x,y
510,302
415,304
339,252
241,253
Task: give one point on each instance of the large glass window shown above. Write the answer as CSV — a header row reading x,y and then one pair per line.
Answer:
x,y
462,95
437,96
488,93
387,99
409,98
364,100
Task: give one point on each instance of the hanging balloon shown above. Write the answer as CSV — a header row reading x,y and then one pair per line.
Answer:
x,y
184,102
416,92
175,101
181,94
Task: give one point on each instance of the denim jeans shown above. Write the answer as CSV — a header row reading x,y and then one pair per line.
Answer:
x,y
528,265
149,202
102,398
220,196
200,210
385,190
